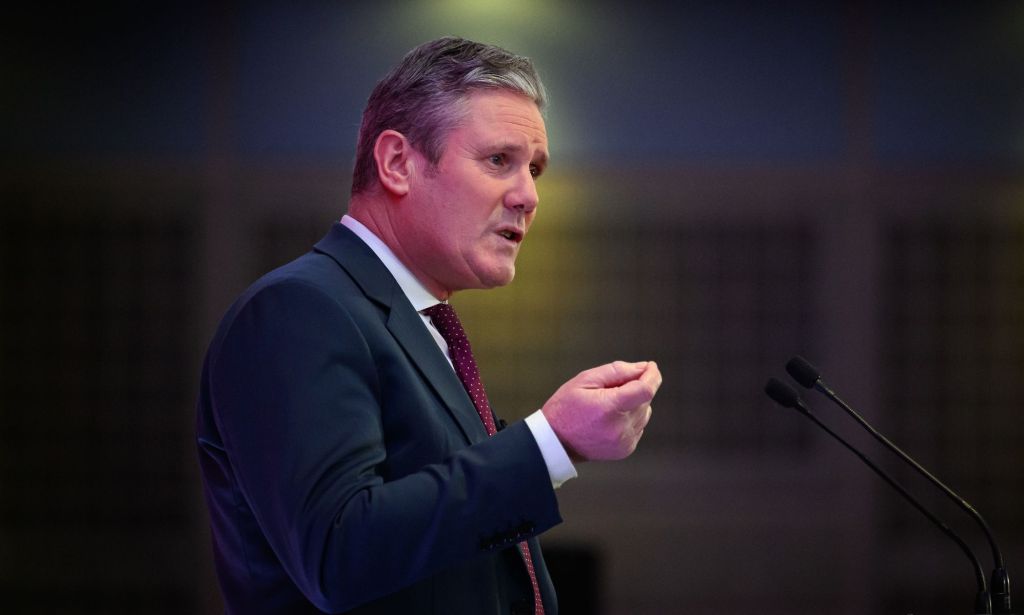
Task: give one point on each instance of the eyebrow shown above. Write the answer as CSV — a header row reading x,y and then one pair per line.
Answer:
x,y
542,156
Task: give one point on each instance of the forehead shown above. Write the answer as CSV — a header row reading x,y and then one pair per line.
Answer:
x,y
504,115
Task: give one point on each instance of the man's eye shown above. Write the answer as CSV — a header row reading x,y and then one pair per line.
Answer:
x,y
497,159
534,170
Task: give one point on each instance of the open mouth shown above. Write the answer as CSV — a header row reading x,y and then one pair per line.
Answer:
x,y
511,235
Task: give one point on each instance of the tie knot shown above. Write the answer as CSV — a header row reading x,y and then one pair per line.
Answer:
x,y
446,321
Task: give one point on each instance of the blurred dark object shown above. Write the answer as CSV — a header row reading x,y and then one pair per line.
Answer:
x,y
577,571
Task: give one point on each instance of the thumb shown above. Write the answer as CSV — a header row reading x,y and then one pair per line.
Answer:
x,y
611,374
634,394
641,390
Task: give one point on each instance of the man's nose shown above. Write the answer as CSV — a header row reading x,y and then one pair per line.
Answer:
x,y
523,196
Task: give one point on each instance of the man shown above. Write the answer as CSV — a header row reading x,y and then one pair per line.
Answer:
x,y
350,460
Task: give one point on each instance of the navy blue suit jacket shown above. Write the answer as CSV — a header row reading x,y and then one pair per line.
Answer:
x,y
345,467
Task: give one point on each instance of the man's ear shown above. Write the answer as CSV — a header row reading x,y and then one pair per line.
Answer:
x,y
393,155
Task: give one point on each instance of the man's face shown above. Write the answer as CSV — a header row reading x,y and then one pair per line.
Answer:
x,y
463,222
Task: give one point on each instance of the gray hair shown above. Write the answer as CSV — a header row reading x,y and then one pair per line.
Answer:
x,y
424,97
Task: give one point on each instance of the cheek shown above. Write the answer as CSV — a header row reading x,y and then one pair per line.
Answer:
x,y
465,220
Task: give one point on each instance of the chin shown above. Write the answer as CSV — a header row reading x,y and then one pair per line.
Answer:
x,y
499,278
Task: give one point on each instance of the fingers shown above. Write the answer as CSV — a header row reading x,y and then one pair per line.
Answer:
x,y
640,391
612,374
652,375
641,417
602,412
632,395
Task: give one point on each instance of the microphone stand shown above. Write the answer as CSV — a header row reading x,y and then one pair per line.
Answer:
x,y
806,374
784,395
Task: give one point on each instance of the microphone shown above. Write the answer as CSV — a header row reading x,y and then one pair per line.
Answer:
x,y
809,377
787,397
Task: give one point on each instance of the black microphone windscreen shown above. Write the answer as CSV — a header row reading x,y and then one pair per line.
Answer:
x,y
781,393
803,372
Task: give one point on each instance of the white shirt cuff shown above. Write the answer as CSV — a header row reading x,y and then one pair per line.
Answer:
x,y
560,467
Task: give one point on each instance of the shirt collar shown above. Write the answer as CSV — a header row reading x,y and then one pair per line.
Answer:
x,y
418,295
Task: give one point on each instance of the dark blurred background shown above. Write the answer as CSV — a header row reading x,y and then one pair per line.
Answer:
x,y
732,183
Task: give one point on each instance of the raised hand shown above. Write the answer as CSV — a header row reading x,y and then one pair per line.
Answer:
x,y
602,412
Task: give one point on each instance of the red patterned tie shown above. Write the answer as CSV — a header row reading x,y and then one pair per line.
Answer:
x,y
448,325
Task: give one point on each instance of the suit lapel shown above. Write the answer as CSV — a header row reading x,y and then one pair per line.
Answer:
x,y
408,329
404,323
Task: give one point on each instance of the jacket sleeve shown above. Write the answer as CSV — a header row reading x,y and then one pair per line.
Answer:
x,y
297,399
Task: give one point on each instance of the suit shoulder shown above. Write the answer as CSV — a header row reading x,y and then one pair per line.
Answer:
x,y
298,288
313,269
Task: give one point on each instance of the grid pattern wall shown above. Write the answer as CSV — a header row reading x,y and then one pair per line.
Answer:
x,y
94,376
952,321
719,306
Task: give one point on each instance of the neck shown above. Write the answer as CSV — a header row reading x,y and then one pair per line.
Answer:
x,y
373,212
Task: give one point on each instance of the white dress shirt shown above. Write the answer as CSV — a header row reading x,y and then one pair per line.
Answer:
x,y
560,467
